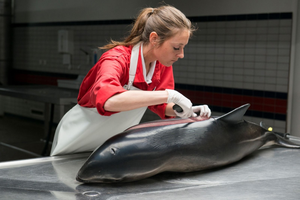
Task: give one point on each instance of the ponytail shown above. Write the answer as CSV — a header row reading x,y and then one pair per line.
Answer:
x,y
164,20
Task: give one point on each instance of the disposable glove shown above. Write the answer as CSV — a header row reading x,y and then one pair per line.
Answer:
x,y
183,102
203,111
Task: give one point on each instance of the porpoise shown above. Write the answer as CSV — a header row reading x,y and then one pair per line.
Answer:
x,y
177,145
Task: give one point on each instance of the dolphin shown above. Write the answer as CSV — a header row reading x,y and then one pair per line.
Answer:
x,y
177,145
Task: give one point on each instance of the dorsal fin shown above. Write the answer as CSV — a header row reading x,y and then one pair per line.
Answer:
x,y
236,115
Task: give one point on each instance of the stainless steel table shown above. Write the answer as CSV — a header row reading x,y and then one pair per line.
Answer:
x,y
269,174
49,95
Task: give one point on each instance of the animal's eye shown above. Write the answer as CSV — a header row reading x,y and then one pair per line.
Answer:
x,y
113,150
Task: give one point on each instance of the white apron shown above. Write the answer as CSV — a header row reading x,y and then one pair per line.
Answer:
x,y
84,129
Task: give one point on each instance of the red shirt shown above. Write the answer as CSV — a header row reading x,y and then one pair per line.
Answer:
x,y
111,73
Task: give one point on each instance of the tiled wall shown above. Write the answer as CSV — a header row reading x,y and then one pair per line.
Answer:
x,y
36,46
247,54
230,60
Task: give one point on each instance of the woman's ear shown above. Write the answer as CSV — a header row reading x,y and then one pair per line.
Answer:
x,y
153,38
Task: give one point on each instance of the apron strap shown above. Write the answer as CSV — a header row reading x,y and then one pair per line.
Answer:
x,y
133,64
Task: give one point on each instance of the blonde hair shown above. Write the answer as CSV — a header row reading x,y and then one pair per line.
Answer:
x,y
166,21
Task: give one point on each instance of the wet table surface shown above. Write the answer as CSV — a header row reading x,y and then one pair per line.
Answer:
x,y
270,173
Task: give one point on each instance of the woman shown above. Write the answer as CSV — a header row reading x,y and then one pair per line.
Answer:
x,y
131,76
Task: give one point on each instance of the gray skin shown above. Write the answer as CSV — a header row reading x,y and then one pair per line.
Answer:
x,y
151,148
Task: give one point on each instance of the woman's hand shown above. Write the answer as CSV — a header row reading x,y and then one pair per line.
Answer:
x,y
183,102
203,111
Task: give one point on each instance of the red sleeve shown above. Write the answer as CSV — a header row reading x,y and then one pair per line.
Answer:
x,y
166,82
110,74
102,82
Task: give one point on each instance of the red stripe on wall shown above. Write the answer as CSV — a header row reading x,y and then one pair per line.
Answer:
x,y
35,79
262,104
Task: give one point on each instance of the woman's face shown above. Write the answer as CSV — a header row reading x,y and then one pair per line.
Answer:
x,y
173,48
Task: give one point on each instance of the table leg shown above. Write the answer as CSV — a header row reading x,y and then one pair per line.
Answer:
x,y
61,111
1,106
48,113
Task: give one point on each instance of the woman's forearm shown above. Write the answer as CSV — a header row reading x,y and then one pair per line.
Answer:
x,y
130,100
